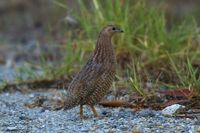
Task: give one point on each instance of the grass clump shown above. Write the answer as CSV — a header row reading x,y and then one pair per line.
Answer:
x,y
168,52
147,39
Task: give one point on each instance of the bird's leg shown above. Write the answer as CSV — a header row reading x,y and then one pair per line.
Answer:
x,y
81,111
94,110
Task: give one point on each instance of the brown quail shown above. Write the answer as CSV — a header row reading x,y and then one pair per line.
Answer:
x,y
91,84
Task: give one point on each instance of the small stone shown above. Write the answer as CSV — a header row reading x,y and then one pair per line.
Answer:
x,y
178,128
83,129
42,110
46,111
43,126
7,94
114,126
104,112
171,110
22,118
110,130
33,95
11,129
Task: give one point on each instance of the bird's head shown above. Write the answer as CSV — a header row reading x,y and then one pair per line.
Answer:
x,y
110,30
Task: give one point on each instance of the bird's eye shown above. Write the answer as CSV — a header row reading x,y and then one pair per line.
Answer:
x,y
113,28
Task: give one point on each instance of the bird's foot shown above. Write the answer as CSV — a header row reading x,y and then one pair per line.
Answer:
x,y
94,111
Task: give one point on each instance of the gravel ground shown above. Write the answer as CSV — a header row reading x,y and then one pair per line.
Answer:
x,y
15,117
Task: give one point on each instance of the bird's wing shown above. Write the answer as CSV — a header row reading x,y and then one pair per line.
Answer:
x,y
92,77
83,84
84,80
92,72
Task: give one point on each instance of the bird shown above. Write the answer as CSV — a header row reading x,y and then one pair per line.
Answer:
x,y
94,80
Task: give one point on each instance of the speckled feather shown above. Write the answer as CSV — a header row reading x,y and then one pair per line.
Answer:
x,y
92,83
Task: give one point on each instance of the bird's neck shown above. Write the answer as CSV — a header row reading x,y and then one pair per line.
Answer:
x,y
104,50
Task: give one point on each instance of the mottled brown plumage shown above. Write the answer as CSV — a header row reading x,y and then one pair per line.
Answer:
x,y
94,80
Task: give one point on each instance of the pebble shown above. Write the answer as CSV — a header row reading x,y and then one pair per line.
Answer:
x,y
172,109
110,120
83,129
11,129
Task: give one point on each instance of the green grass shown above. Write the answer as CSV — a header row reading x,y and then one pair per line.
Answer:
x,y
146,38
187,75
135,81
160,55
164,57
